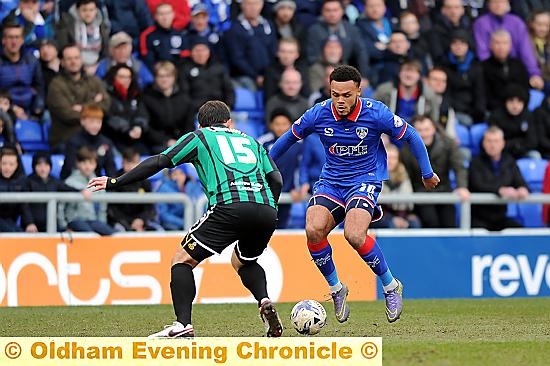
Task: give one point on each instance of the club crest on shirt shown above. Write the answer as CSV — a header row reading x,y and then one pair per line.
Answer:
x,y
397,121
362,132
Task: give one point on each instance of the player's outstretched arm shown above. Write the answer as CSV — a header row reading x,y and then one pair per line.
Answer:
x,y
283,144
143,170
429,178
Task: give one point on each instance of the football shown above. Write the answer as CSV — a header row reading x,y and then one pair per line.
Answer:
x,y
308,317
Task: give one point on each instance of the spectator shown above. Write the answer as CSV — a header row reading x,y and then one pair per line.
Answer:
x,y
288,56
397,215
84,26
517,123
542,123
181,11
466,85
204,78
219,13
133,217
83,215
120,52
331,56
50,63
279,122
161,41
289,97
36,25
418,8
250,45
307,12
200,26
168,107
284,19
171,213
546,189
310,167
130,16
41,180
7,118
127,122
495,171
420,44
332,22
68,93
376,30
445,156
397,52
526,8
539,31
20,73
446,120
324,92
408,96
498,18
13,179
501,69
91,120
451,20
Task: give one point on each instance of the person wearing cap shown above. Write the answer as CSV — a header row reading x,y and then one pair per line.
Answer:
x,y
161,42
451,19
517,123
200,26
465,82
204,78
181,11
41,180
502,69
84,26
120,52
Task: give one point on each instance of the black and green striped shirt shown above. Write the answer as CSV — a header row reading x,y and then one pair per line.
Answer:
x,y
232,166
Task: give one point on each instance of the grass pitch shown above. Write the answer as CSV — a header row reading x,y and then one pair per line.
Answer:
x,y
431,332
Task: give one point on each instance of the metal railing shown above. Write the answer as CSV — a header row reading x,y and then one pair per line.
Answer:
x,y
193,210
53,198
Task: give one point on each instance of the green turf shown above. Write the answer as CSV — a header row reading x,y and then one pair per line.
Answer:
x,y
431,332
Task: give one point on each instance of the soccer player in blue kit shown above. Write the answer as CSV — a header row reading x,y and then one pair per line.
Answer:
x,y
350,128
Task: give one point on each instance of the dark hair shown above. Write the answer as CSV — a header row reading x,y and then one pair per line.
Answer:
x,y
420,118
337,1
133,89
346,73
129,154
11,25
85,153
61,52
41,157
79,3
213,112
412,62
5,93
279,112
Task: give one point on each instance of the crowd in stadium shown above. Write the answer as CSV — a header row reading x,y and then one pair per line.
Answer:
x,y
90,87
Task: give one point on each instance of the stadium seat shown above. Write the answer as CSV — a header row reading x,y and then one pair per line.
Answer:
x,y
26,159
476,135
535,99
245,100
297,216
532,171
531,214
30,135
463,135
57,164
512,211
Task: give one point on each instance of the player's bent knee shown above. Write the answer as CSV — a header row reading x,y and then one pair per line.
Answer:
x,y
354,238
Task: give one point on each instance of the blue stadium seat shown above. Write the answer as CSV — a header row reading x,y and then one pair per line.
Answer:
x,y
535,99
512,211
297,216
245,100
26,159
57,164
476,135
532,171
463,135
30,134
531,214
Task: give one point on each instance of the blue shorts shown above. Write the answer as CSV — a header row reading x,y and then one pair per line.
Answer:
x,y
340,199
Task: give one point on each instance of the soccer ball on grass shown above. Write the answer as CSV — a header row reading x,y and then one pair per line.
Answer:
x,y
308,317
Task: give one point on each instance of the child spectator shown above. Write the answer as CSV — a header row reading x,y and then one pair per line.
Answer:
x,y
517,123
7,118
83,216
129,216
42,181
12,179
171,213
91,120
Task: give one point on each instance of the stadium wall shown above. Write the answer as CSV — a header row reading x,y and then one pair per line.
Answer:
x,y
134,269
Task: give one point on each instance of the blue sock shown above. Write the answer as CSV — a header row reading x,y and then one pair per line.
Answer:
x,y
373,256
322,256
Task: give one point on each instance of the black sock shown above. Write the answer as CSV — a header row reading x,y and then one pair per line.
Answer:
x,y
253,278
183,291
